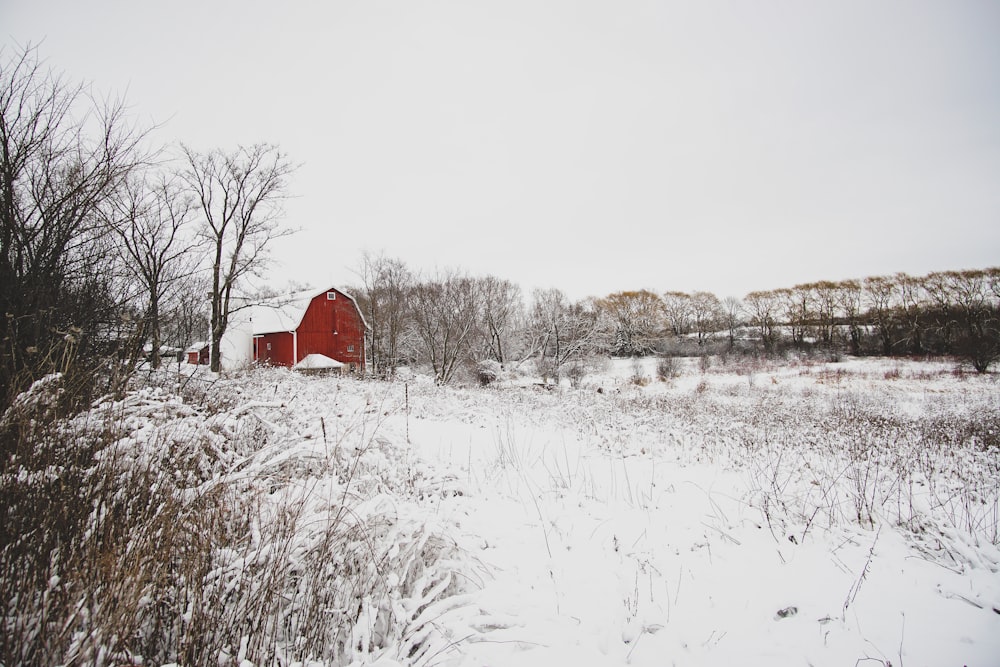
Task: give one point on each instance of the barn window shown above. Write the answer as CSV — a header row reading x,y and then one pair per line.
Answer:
x,y
350,348
269,346
331,296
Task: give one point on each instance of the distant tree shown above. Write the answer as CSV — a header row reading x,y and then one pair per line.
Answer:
x,y
239,194
185,318
882,307
707,314
62,156
677,310
993,279
965,298
445,310
848,296
562,333
637,319
501,311
763,308
732,311
825,309
796,304
914,296
384,298
991,320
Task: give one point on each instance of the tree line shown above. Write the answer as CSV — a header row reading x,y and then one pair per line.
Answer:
x,y
452,322
941,313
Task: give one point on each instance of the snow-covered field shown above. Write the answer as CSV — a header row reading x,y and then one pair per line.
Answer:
x,y
793,514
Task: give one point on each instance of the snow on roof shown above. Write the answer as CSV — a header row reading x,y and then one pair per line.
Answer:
x,y
197,347
317,361
285,313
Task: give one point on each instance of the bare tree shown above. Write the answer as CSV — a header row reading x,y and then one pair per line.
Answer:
x,y
677,309
848,296
150,221
637,318
62,155
882,303
706,314
501,311
763,308
993,280
824,309
445,311
240,195
964,299
732,310
386,284
796,307
914,295
185,317
562,332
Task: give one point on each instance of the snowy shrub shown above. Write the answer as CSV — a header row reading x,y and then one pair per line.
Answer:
x,y
488,371
704,363
862,462
667,368
576,371
638,377
150,530
547,369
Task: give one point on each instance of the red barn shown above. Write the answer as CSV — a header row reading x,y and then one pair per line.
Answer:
x,y
328,322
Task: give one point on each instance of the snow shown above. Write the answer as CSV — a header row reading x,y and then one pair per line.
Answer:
x,y
742,513
316,361
601,562
623,539
281,313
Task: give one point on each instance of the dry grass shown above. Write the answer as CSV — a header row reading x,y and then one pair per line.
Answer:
x,y
150,531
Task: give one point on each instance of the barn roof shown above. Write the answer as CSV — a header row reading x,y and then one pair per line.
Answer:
x,y
285,313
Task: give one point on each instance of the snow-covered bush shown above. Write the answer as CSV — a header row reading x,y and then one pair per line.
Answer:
x,y
576,371
488,371
639,376
152,530
667,368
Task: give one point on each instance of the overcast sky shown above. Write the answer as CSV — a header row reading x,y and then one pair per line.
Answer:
x,y
593,146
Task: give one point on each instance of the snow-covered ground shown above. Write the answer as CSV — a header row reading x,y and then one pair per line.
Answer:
x,y
713,520
739,513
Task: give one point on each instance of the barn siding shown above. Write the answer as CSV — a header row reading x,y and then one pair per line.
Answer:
x,y
280,353
329,327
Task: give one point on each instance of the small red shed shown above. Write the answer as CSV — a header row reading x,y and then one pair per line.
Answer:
x,y
327,322
197,353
